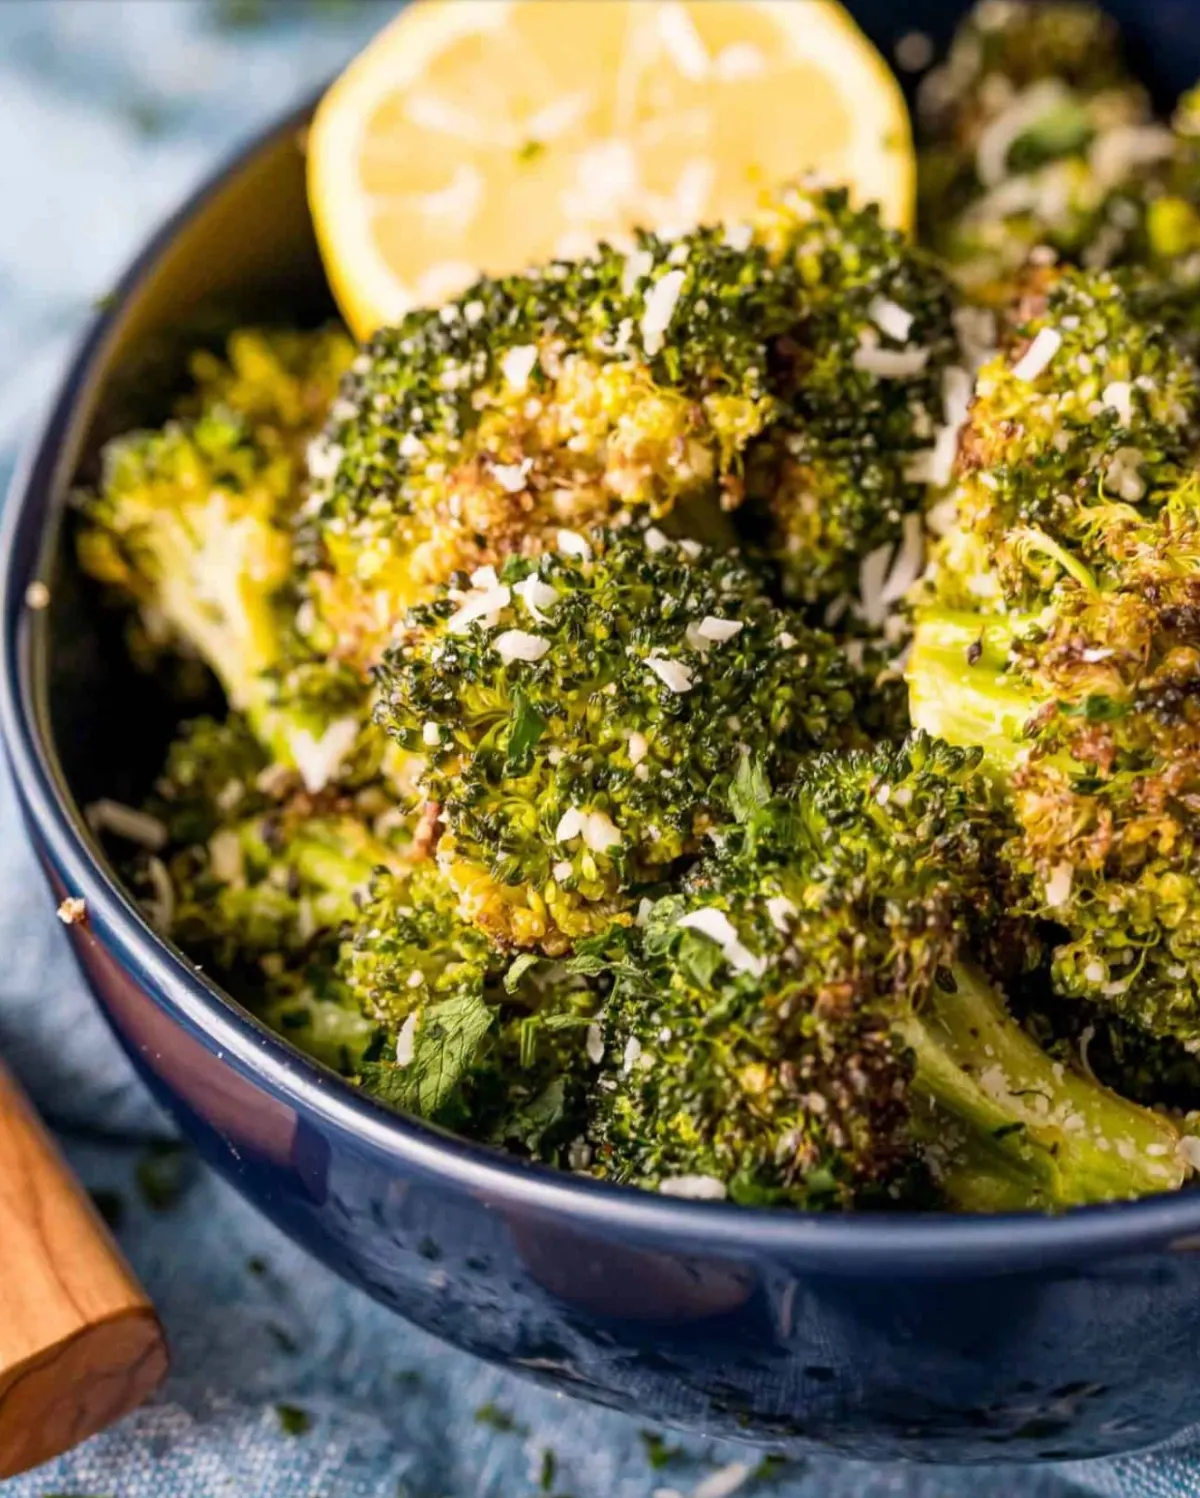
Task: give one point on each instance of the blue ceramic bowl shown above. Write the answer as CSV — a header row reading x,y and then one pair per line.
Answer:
x,y
936,1338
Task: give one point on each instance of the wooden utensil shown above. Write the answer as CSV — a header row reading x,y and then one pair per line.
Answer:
x,y
80,1345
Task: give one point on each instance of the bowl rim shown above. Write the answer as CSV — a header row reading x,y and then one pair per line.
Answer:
x,y
900,1243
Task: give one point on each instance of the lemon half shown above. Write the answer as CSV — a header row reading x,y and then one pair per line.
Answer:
x,y
488,135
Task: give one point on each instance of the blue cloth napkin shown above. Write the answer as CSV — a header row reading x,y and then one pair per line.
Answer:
x,y
285,1383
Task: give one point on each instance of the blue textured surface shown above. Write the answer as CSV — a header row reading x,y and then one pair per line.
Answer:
x,y
112,111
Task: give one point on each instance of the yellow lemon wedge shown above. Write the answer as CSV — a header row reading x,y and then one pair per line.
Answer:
x,y
489,135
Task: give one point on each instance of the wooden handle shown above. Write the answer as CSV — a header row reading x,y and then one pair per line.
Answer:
x,y
80,1345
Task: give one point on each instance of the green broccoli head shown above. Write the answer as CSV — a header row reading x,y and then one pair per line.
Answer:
x,y
1077,433
1082,693
1089,717
584,713
867,375
474,1039
675,377
262,887
410,948
193,523
214,772
807,1021
1035,134
304,998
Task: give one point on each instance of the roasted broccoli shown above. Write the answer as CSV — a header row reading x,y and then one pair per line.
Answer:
x,y
194,523
583,716
1081,430
809,1021
567,796
193,520
799,360
475,1038
1058,630
1036,135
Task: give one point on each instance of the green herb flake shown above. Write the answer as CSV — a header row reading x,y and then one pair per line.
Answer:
x,y
446,1042
658,1453
294,1420
282,1338
164,1174
528,726
500,1420
518,969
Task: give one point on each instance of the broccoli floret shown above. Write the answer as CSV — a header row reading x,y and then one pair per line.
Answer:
x,y
862,375
1035,134
193,522
474,1039
214,771
583,715
305,999
268,884
1081,429
1087,716
1078,509
810,1020
263,880
796,358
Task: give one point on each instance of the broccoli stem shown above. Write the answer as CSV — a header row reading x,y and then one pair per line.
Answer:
x,y
1004,1127
957,687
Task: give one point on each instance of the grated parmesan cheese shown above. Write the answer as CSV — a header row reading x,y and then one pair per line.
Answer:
x,y
318,759
890,318
520,645
485,605
536,596
718,630
1189,1151
1119,395
661,301
889,364
134,826
697,1188
1058,886
716,925
781,910
673,674
517,365
406,1040
570,825
872,571
600,832
572,544
511,476
906,568
724,1482
1038,355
